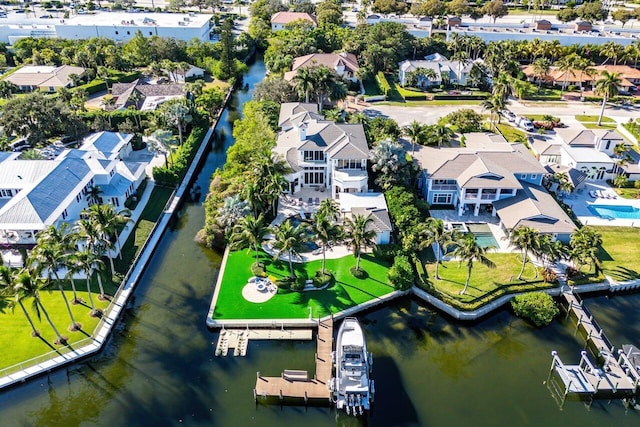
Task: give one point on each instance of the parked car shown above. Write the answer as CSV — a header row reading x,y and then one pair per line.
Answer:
x,y
524,123
510,116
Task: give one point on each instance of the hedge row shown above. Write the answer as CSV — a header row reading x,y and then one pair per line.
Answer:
x,y
383,83
98,85
171,175
459,97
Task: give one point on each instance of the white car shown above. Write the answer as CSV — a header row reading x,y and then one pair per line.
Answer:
x,y
525,124
510,116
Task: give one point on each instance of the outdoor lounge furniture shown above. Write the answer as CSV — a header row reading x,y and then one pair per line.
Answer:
x,y
593,194
310,201
317,200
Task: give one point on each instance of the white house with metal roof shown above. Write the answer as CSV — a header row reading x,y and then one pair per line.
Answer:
x,y
321,153
37,193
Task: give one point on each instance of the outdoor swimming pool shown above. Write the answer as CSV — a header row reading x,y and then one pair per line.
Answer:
x,y
615,211
483,235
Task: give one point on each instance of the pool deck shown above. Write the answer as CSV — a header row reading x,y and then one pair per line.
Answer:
x,y
579,202
492,222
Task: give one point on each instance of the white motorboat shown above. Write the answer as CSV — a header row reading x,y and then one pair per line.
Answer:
x,y
352,388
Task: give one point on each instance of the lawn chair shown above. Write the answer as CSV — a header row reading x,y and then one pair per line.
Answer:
x,y
317,200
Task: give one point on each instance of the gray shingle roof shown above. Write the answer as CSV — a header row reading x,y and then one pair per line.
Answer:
x,y
380,218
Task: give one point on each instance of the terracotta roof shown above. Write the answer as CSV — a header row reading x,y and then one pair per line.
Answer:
x,y
329,60
288,17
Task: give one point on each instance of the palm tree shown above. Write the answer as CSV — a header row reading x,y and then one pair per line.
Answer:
x,y
326,232
289,239
249,232
63,238
108,221
584,247
359,234
329,209
8,282
93,195
327,85
303,81
584,66
28,285
541,67
526,239
440,134
469,251
607,87
86,261
49,255
435,233
416,132
494,104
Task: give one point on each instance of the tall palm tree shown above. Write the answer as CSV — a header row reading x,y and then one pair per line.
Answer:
x,y
526,239
359,234
28,285
607,87
435,233
416,132
49,256
494,105
584,247
93,195
329,209
8,282
86,261
303,81
327,85
326,232
541,67
108,221
584,66
289,239
249,232
469,251
62,237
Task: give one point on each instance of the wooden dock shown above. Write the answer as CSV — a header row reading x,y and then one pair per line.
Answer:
x,y
297,384
613,378
238,339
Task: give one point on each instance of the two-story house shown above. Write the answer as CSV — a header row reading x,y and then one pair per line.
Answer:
x,y
37,193
435,70
321,153
280,20
491,178
344,64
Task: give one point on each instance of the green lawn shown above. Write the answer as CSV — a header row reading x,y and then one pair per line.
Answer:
x,y
619,252
594,119
603,126
148,217
15,333
628,193
371,87
434,103
347,291
486,284
511,133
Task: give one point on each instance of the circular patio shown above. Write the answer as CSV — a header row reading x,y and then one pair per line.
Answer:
x,y
260,291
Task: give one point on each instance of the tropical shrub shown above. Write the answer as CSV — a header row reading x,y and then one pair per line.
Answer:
x,y
358,273
401,274
320,280
387,252
538,307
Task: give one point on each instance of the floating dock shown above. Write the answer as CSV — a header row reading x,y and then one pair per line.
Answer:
x,y
613,378
297,384
238,339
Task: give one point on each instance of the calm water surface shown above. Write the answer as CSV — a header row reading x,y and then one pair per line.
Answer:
x,y
159,367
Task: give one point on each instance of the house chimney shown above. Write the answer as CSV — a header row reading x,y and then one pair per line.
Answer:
x,y
302,132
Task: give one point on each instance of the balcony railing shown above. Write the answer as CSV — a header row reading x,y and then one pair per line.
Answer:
x,y
489,197
449,187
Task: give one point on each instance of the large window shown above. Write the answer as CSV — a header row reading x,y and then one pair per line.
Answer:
x,y
314,176
349,164
313,156
442,198
471,193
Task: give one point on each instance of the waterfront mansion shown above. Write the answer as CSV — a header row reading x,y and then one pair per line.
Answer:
x,y
321,154
491,177
35,194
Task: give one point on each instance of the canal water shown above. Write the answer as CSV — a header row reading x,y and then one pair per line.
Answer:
x,y
159,368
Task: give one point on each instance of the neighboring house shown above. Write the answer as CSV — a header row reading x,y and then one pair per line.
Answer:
x,y
44,77
444,71
591,152
280,20
144,96
371,205
321,153
37,193
629,76
344,64
180,76
501,179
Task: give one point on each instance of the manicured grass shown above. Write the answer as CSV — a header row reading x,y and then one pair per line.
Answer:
x,y
628,193
371,88
619,252
594,119
15,333
211,82
148,217
603,126
347,291
484,281
511,133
